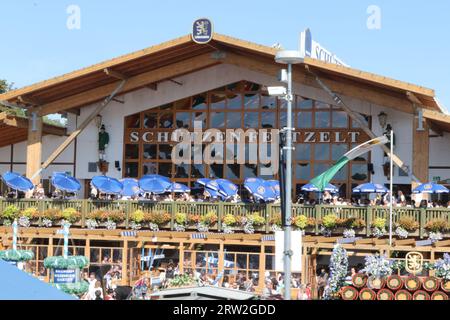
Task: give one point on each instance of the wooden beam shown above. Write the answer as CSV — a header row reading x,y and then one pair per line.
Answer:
x,y
28,100
152,86
85,123
115,74
413,98
441,243
34,146
125,263
433,126
421,151
437,116
133,83
405,242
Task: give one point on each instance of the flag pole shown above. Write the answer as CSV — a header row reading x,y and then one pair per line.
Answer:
x,y
391,186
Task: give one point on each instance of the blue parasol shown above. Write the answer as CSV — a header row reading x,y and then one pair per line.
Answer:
x,y
130,187
226,188
260,189
64,182
208,183
370,188
178,188
154,183
18,182
107,185
430,188
312,188
275,185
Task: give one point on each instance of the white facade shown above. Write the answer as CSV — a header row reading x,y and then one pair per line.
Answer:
x,y
198,82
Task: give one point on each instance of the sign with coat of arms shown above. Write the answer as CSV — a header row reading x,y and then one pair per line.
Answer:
x,y
202,31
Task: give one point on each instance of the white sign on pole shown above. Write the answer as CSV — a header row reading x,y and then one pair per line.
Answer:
x,y
296,247
312,49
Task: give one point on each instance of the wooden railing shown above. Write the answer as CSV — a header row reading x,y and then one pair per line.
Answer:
x,y
269,212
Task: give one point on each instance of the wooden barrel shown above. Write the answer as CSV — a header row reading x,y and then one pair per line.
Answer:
x,y
430,284
421,295
394,282
412,283
367,294
445,285
403,295
359,280
439,295
349,293
375,283
385,294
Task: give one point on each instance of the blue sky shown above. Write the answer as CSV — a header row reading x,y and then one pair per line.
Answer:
x,y
412,44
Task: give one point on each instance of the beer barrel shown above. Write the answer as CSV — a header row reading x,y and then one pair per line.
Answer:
x,y
359,280
412,283
367,294
421,295
445,285
375,283
349,293
439,295
403,295
430,284
385,294
394,282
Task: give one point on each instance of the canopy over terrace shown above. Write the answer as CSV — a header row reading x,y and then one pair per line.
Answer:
x,y
169,60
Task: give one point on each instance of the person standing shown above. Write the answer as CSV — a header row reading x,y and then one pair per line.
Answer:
x,y
322,282
103,141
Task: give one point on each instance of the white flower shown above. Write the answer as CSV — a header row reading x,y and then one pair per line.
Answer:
x,y
110,225
349,233
276,227
24,222
135,226
91,224
402,233
435,236
47,223
227,229
377,232
201,227
248,228
179,227
153,226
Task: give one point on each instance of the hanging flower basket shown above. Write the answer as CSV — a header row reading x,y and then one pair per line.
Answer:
x,y
394,282
412,283
439,295
385,295
376,283
421,295
431,284
72,262
359,280
349,293
445,285
16,255
403,295
367,294
77,288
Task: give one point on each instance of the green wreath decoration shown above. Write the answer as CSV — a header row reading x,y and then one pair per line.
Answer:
x,y
71,262
16,255
73,288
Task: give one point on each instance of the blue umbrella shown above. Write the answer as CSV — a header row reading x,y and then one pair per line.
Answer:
x,y
214,194
275,185
430,188
312,188
226,188
154,183
178,188
19,285
260,189
107,185
370,188
64,182
209,183
18,182
130,187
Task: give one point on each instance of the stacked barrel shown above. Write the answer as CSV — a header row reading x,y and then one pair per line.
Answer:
x,y
396,287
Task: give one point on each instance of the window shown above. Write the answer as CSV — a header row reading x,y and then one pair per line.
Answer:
x,y
218,101
251,120
359,172
322,151
234,101
132,151
303,171
338,150
303,103
304,120
149,151
234,120
340,119
268,102
131,169
217,120
251,101
303,151
150,120
166,120
320,168
267,119
323,119
183,120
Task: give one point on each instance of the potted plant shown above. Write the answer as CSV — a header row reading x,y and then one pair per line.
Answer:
x,y
379,227
136,219
275,222
29,217
93,219
71,215
10,213
207,221
50,217
257,221
302,222
180,221
157,219
436,228
328,224
406,226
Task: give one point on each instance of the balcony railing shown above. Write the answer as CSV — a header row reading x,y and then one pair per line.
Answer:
x,y
366,216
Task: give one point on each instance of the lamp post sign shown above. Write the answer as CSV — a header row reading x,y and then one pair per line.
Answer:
x,y
202,31
61,276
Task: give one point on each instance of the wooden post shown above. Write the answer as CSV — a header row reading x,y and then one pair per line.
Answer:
x,y
124,263
87,249
34,145
220,265
49,254
421,157
181,258
262,267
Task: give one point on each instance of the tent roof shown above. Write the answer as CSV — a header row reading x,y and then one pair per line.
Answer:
x,y
18,285
174,58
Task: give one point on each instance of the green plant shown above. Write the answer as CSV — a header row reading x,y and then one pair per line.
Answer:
x,y
229,220
181,218
10,213
137,216
438,225
71,215
209,219
329,221
358,223
379,223
114,215
256,219
52,214
30,213
301,222
276,219
408,223
350,223
158,217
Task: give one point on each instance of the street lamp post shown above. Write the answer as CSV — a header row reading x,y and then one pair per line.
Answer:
x,y
289,58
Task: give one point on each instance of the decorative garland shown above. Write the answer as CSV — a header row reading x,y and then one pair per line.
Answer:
x,y
72,262
16,255
338,272
73,288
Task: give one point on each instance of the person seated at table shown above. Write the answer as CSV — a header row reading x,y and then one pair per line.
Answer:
x,y
39,192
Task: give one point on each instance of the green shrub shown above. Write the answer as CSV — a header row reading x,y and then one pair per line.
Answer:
x,y
229,220
10,213
330,221
137,216
52,214
210,218
379,223
301,222
181,218
71,215
30,213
